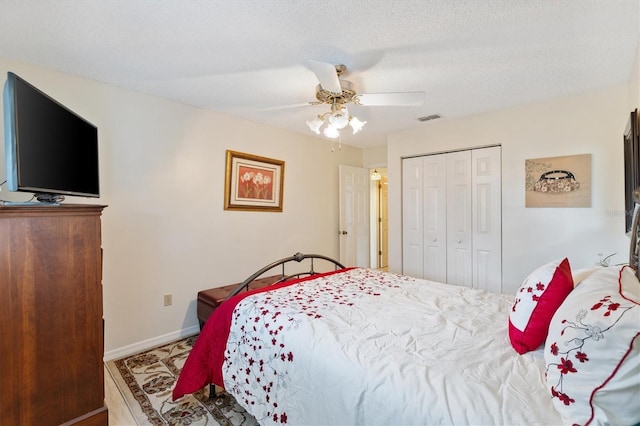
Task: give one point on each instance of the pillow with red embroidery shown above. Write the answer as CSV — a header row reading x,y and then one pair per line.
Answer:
x,y
592,353
539,296
580,275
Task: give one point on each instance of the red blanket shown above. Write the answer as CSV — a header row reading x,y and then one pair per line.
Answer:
x,y
204,364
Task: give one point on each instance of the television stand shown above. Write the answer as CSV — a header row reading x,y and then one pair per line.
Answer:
x,y
45,197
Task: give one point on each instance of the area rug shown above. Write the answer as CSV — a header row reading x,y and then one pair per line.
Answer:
x,y
146,381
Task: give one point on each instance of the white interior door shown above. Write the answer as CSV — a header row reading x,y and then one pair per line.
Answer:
x,y
354,216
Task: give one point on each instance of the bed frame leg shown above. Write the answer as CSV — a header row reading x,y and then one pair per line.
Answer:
x,y
214,391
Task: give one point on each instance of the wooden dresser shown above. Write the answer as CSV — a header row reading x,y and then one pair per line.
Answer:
x,y
51,326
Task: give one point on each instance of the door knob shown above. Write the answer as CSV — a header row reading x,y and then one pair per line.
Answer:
x,y
459,241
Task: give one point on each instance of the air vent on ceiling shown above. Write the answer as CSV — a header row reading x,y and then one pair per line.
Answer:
x,y
429,117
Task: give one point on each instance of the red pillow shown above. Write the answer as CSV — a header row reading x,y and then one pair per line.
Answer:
x,y
538,298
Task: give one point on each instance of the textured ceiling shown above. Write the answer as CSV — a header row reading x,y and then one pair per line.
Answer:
x,y
249,58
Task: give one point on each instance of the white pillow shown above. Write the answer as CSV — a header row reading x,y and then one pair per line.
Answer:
x,y
592,352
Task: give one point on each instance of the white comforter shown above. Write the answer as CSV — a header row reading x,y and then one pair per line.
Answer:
x,y
367,347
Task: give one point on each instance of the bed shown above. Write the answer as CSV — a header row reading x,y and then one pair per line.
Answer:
x,y
362,346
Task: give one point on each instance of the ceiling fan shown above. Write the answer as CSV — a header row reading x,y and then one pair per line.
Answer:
x,y
338,92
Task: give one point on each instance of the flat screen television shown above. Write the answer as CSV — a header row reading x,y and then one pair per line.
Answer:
x,y
49,150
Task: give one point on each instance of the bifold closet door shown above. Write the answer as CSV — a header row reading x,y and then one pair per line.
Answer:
x,y
435,217
412,217
459,233
452,218
424,217
487,218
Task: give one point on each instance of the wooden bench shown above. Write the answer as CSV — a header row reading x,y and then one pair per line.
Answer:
x,y
209,300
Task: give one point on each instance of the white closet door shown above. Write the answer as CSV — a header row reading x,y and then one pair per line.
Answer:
x,y
451,216
487,219
435,217
412,217
459,233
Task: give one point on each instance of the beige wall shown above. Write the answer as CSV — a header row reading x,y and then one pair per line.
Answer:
x,y
165,229
591,123
634,92
375,157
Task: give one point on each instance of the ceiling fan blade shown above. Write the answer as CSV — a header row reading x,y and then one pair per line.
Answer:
x,y
392,99
327,75
290,106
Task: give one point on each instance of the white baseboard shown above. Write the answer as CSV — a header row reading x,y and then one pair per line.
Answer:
x,y
150,343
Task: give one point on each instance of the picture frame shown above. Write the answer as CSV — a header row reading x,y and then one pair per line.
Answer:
x,y
563,181
253,183
631,141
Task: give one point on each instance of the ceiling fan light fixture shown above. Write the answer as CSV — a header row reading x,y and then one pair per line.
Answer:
x,y
331,132
339,118
337,92
356,124
336,119
315,124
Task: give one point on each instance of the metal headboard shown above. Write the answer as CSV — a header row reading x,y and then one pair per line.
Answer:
x,y
298,257
634,247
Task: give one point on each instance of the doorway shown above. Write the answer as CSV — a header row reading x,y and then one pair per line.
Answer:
x,y
379,219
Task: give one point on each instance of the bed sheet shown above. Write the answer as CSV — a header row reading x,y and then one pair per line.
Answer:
x,y
369,347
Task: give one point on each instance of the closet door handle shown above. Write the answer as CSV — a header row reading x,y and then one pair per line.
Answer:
x,y
343,232
459,241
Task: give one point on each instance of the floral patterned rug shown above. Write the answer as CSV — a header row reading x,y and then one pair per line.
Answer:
x,y
146,380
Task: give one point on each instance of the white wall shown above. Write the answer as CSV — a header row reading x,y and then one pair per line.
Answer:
x,y
592,123
165,229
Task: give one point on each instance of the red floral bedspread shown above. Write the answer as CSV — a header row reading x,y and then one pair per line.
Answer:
x,y
368,347
204,364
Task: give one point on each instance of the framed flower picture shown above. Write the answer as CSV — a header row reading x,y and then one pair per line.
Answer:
x,y
253,183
